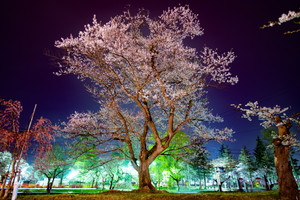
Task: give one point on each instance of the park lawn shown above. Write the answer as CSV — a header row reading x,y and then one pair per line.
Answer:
x,y
159,196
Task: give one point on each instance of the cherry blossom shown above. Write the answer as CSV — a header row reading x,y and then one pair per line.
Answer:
x,y
291,15
146,80
266,114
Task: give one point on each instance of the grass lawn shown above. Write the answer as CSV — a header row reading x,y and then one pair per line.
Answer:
x,y
159,196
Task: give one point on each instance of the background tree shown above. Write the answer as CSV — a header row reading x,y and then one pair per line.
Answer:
x,y
17,142
113,173
52,163
146,80
175,170
277,116
200,163
224,152
263,161
26,172
268,134
230,163
162,164
5,160
245,168
224,166
170,161
157,169
295,165
90,167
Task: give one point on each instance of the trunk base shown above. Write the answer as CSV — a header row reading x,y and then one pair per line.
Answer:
x,y
288,188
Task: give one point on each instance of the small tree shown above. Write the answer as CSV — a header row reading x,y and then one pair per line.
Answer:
x,y
114,174
276,116
18,142
51,164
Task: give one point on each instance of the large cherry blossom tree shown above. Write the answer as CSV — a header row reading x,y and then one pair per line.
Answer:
x,y
17,142
282,142
147,82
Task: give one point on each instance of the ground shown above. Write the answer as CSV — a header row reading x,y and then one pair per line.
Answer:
x,y
118,195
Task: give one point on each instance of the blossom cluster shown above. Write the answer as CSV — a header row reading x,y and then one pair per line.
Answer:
x,y
266,114
268,117
287,17
291,15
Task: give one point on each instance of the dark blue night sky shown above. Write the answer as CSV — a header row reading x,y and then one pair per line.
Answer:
x,y
268,62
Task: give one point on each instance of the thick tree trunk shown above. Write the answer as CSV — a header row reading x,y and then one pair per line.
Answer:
x,y
144,178
288,188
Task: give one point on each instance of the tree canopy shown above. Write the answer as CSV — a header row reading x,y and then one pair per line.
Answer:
x,y
146,80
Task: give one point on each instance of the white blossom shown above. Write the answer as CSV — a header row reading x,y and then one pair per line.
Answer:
x,y
291,15
268,115
287,17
